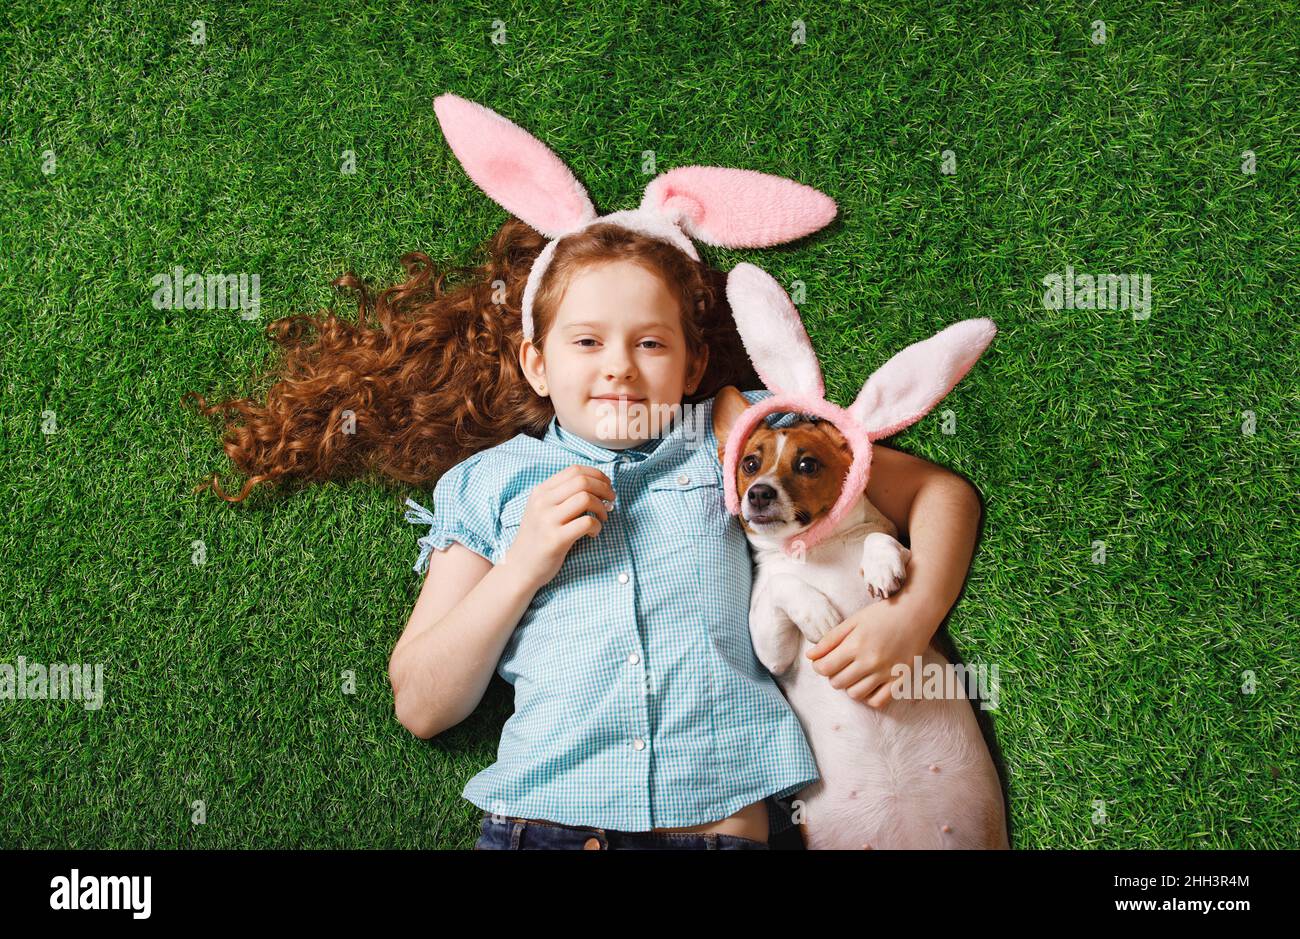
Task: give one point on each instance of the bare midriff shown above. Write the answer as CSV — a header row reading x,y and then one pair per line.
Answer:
x,y
750,822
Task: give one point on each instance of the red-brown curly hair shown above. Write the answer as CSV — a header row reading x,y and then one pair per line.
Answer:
x,y
438,379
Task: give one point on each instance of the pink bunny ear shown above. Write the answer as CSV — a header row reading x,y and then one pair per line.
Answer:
x,y
518,171
733,208
773,333
905,388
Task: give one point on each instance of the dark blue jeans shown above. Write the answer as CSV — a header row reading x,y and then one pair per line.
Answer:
x,y
503,833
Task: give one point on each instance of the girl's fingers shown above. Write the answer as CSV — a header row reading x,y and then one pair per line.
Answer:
x,y
878,696
573,530
598,485
831,640
579,504
863,688
832,663
850,676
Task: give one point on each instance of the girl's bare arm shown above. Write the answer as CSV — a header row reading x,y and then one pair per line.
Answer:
x,y
468,608
445,657
937,514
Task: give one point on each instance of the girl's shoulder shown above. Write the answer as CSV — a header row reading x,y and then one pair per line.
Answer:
x,y
500,473
493,461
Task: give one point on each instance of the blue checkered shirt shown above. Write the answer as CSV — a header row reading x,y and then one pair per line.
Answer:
x,y
639,702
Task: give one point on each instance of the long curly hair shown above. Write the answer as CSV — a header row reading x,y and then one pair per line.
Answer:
x,y
438,379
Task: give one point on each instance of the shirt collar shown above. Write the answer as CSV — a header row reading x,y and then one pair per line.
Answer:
x,y
685,427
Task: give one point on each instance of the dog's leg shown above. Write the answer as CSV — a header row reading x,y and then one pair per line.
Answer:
x,y
807,607
782,610
884,564
775,637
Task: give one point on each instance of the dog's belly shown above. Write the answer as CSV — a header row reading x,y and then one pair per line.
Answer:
x,y
877,783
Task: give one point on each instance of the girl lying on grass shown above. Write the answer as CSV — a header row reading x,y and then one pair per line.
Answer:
x,y
578,544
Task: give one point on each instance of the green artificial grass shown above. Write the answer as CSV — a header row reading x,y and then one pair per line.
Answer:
x,y
223,682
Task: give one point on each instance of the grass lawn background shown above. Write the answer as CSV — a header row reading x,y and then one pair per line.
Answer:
x,y
1121,681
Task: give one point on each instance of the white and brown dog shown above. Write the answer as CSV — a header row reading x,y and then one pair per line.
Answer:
x,y
914,773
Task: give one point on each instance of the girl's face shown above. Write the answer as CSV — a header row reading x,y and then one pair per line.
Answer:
x,y
616,364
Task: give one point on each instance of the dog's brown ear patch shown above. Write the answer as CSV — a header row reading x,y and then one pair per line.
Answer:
x,y
827,430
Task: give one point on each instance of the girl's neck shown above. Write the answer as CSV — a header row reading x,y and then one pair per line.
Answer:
x,y
645,446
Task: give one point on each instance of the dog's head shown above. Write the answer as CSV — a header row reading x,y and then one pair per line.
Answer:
x,y
787,478
897,395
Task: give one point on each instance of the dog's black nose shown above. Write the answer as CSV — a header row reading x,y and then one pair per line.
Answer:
x,y
760,496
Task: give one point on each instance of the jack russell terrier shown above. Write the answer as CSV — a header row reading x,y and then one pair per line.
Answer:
x,y
914,773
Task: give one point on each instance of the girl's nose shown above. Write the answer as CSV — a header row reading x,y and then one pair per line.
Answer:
x,y
619,367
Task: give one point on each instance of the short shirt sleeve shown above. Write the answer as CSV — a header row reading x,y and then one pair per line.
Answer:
x,y
465,509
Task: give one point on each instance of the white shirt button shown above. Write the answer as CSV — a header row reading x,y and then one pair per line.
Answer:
x,y
622,578
683,479
634,658
638,744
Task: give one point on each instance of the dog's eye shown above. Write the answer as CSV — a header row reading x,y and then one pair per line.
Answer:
x,y
807,465
750,465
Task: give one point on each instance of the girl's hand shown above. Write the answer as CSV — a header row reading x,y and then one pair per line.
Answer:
x,y
555,518
859,654
943,520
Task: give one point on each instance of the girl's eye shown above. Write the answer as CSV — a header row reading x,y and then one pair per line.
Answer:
x,y
653,342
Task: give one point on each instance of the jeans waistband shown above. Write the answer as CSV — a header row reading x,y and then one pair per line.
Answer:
x,y
512,832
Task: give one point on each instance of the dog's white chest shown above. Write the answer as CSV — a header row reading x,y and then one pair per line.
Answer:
x,y
912,774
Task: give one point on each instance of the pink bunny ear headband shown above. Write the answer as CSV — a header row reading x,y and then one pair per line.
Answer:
x,y
729,208
897,395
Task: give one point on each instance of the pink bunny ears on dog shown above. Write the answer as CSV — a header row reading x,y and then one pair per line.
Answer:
x,y
897,395
729,208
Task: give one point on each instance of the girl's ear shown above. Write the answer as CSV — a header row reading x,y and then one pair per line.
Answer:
x,y
534,366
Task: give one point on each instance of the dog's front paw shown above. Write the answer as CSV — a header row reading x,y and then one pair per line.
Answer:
x,y
884,565
813,614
